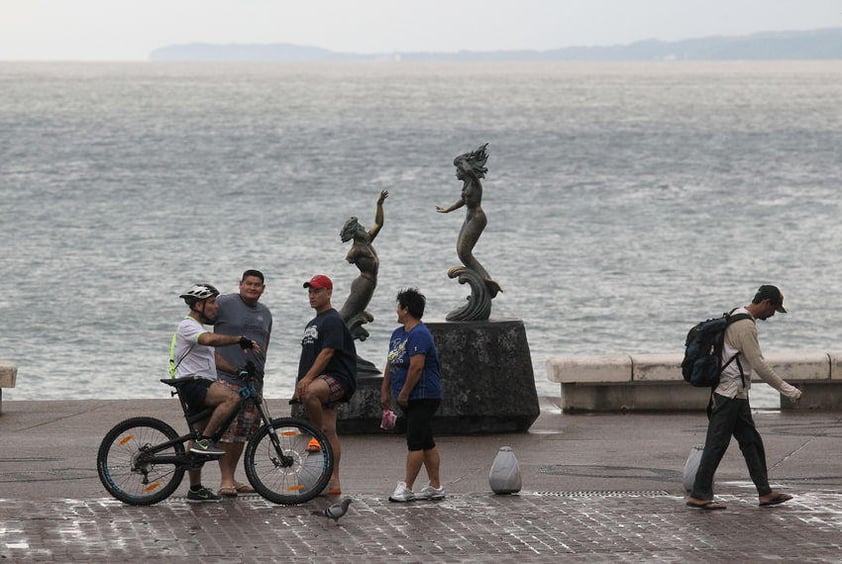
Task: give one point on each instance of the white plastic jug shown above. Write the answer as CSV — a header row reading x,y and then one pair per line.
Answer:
x,y
504,476
692,466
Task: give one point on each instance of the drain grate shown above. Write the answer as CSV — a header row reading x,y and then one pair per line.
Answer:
x,y
31,459
58,474
605,493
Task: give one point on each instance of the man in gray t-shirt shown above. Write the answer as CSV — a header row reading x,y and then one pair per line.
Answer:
x,y
240,314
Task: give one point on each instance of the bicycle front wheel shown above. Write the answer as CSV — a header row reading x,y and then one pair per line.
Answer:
x,y
292,470
126,461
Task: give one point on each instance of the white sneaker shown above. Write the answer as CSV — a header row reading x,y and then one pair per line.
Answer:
x,y
429,492
402,493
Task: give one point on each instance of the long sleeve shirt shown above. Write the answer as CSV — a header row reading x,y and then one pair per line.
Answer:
x,y
741,337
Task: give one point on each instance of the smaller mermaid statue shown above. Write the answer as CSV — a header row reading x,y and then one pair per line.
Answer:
x,y
470,168
363,255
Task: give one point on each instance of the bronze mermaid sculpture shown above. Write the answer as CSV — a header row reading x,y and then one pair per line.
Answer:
x,y
364,257
470,169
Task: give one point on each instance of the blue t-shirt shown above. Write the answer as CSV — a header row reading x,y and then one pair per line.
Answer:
x,y
405,344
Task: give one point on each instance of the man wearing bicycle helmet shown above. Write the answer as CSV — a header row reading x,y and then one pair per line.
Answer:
x,y
192,355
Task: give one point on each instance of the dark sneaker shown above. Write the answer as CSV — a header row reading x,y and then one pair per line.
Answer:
x,y
202,495
206,447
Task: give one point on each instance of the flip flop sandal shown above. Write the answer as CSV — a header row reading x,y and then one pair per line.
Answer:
x,y
330,492
777,500
244,488
229,491
708,505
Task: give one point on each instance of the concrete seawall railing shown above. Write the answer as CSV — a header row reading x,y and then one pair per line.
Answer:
x,y
8,374
653,382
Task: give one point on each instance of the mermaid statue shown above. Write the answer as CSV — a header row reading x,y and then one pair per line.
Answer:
x,y
363,255
470,169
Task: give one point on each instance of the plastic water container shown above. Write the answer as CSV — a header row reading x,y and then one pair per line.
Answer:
x,y
692,466
504,477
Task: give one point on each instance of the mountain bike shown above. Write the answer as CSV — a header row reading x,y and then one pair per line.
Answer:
x,y
142,460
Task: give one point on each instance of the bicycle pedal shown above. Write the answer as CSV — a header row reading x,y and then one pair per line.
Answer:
x,y
198,460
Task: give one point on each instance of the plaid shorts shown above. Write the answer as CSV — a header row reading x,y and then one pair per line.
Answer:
x,y
337,392
246,422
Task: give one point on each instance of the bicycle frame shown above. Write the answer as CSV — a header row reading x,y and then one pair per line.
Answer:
x,y
142,460
250,392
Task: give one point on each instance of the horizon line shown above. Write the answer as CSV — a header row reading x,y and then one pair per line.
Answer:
x,y
390,55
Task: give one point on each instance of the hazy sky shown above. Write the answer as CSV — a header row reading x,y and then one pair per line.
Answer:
x,y
130,29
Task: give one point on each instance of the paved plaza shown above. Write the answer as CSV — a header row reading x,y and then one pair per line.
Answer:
x,y
597,488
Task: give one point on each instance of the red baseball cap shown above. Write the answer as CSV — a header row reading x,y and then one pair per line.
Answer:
x,y
319,281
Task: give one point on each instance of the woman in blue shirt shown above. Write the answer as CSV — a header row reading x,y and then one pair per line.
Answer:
x,y
412,376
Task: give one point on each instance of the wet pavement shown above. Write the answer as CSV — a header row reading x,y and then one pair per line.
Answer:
x,y
596,488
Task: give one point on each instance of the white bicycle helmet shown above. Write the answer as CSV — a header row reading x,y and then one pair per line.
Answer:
x,y
199,292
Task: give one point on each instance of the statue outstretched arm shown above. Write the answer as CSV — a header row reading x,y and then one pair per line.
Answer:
x,y
378,215
454,206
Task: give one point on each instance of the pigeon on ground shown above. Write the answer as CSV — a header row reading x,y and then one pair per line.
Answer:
x,y
336,510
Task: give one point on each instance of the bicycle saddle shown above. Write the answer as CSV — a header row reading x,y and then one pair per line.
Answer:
x,y
177,382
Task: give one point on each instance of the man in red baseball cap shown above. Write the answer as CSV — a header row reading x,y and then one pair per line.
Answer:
x,y
327,370
319,281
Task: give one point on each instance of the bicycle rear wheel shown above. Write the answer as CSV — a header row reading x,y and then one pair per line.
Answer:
x,y
306,470
127,467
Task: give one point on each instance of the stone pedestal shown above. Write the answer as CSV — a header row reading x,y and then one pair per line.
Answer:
x,y
362,414
489,385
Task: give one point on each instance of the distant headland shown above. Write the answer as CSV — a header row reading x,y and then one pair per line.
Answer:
x,y
772,45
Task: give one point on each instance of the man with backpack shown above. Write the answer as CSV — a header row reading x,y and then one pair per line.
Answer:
x,y
730,412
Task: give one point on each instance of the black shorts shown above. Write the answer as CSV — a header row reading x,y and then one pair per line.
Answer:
x,y
194,393
419,423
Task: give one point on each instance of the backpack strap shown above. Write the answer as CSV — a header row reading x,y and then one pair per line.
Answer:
x,y
739,365
730,360
742,374
729,320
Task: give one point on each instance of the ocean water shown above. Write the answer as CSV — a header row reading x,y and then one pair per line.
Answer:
x,y
625,202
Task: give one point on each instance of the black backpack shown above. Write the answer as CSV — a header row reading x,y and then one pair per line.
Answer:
x,y
702,362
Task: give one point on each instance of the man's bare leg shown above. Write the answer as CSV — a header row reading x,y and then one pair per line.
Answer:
x,y
228,464
318,393
329,428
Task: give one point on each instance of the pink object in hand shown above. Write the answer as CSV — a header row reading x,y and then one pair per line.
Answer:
x,y
387,422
